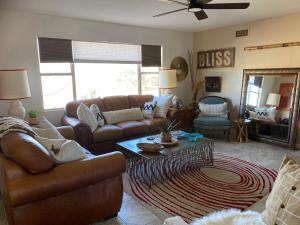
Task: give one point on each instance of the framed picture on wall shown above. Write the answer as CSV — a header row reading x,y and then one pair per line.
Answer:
x,y
213,84
286,92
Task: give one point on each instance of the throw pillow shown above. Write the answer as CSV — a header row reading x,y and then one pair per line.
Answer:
x,y
97,113
261,113
149,110
85,115
271,113
47,129
118,116
282,206
163,104
62,150
212,109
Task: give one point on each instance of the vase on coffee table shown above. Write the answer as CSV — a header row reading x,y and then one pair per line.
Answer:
x,y
165,137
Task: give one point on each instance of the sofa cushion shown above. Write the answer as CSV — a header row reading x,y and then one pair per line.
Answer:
x,y
108,133
27,152
138,101
118,116
71,107
132,128
154,124
214,121
85,115
113,103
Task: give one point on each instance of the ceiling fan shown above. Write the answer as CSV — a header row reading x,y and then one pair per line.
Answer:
x,y
197,6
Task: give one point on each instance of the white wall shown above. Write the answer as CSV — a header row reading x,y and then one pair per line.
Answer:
x,y
271,31
18,46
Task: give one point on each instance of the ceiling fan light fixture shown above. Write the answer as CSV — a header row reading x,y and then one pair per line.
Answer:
x,y
194,9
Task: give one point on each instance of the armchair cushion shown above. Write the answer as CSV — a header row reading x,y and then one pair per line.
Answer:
x,y
213,109
215,121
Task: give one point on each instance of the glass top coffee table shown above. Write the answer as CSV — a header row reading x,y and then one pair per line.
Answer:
x,y
150,168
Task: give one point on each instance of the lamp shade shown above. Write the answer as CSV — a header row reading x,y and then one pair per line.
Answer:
x,y
167,79
14,84
273,99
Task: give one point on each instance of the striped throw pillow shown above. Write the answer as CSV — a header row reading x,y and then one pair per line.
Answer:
x,y
283,203
212,109
149,110
85,115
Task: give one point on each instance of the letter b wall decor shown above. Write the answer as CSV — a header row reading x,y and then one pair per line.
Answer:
x,y
216,58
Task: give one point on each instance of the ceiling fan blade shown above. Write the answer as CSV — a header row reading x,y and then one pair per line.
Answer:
x,y
166,13
201,15
204,1
226,6
174,1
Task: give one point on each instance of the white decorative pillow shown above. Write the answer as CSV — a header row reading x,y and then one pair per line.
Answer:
x,y
212,109
283,203
149,110
163,104
118,116
47,129
271,113
97,113
62,150
85,115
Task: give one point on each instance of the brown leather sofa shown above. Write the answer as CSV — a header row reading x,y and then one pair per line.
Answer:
x,y
37,192
105,137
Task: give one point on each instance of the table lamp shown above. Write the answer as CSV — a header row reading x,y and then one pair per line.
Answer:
x,y
14,86
273,99
167,80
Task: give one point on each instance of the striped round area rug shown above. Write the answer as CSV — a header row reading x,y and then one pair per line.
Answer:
x,y
229,183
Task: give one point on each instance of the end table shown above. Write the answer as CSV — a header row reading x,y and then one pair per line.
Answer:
x,y
242,125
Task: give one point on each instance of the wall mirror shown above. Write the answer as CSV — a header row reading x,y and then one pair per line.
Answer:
x,y
270,99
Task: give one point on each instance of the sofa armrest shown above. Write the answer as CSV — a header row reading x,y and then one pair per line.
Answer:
x,y
83,133
65,178
67,132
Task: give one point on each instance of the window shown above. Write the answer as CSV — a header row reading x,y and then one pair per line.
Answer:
x,y
254,93
57,84
96,70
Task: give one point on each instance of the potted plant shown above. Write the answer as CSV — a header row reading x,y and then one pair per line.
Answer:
x,y
33,117
165,131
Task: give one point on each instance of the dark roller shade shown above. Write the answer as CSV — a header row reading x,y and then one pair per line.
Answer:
x,y
53,50
258,81
151,55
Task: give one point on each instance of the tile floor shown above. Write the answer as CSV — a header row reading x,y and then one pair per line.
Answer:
x,y
135,213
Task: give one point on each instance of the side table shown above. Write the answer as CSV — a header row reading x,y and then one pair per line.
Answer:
x,y
185,116
242,125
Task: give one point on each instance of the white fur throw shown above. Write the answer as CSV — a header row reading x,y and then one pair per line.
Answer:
x,y
231,217
225,217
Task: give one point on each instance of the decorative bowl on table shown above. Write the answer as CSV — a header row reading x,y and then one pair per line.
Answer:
x,y
173,142
149,147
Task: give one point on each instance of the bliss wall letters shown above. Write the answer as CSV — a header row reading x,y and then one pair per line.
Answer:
x,y
216,58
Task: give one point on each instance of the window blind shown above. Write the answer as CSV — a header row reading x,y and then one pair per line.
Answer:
x,y
53,50
106,52
151,55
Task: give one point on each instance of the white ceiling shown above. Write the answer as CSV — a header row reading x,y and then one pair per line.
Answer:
x,y
140,12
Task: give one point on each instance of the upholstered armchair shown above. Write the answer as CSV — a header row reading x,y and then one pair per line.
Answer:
x,y
213,115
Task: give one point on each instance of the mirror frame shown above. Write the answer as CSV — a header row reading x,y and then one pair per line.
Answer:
x,y
291,141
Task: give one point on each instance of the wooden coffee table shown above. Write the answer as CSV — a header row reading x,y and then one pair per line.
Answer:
x,y
149,167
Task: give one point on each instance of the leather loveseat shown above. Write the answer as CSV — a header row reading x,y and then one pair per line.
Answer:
x,y
105,137
35,191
